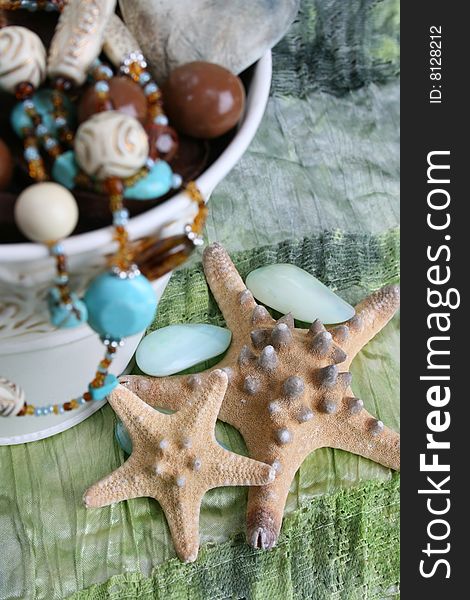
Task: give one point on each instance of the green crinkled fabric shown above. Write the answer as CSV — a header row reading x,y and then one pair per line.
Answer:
x,y
342,546
337,46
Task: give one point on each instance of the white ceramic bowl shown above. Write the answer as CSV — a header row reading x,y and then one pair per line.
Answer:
x,y
53,366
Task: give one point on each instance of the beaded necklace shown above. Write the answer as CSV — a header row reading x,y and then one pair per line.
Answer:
x,y
120,302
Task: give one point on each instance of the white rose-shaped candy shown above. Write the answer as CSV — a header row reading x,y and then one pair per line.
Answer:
x,y
111,144
22,58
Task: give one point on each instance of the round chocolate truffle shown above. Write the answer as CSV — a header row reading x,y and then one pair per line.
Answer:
x,y
6,166
125,96
203,100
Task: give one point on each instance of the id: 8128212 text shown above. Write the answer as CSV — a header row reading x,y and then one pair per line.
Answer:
x,y
435,64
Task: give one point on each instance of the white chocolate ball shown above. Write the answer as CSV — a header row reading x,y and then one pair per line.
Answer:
x,y
22,58
46,212
111,144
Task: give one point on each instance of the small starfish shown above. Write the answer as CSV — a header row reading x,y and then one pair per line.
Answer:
x,y
176,459
289,391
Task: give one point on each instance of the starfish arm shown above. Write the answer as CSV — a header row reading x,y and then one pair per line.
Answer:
x,y
228,469
133,411
182,510
120,485
372,314
164,392
265,508
202,407
237,304
364,435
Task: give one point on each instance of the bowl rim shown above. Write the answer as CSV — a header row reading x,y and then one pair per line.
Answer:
x,y
257,99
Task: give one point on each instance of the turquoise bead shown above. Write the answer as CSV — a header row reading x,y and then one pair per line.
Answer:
x,y
65,169
45,108
110,382
177,347
287,288
123,438
157,183
118,308
61,315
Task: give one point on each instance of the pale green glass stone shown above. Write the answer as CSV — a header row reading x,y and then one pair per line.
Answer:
x,y
175,348
287,288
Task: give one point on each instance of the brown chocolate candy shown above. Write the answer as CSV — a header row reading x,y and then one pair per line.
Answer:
x,y
6,166
203,100
163,141
124,95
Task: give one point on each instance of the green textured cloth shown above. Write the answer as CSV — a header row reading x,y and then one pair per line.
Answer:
x,y
337,547
338,45
318,187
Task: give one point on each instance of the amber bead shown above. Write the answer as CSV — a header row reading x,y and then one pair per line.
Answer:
x,y
203,100
114,186
24,90
67,406
22,411
124,96
155,258
6,165
163,141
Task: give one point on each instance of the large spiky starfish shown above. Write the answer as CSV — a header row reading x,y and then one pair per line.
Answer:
x,y
176,459
289,390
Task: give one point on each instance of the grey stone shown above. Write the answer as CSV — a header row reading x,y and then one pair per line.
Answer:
x,y
233,34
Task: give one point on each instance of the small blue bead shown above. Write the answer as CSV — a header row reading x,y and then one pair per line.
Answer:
x,y
121,217
156,183
61,279
176,181
150,88
41,130
31,153
102,86
65,169
38,411
144,78
81,400
61,410
50,143
102,369
28,104
161,120
110,382
64,316
57,249
106,71
118,307
60,121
